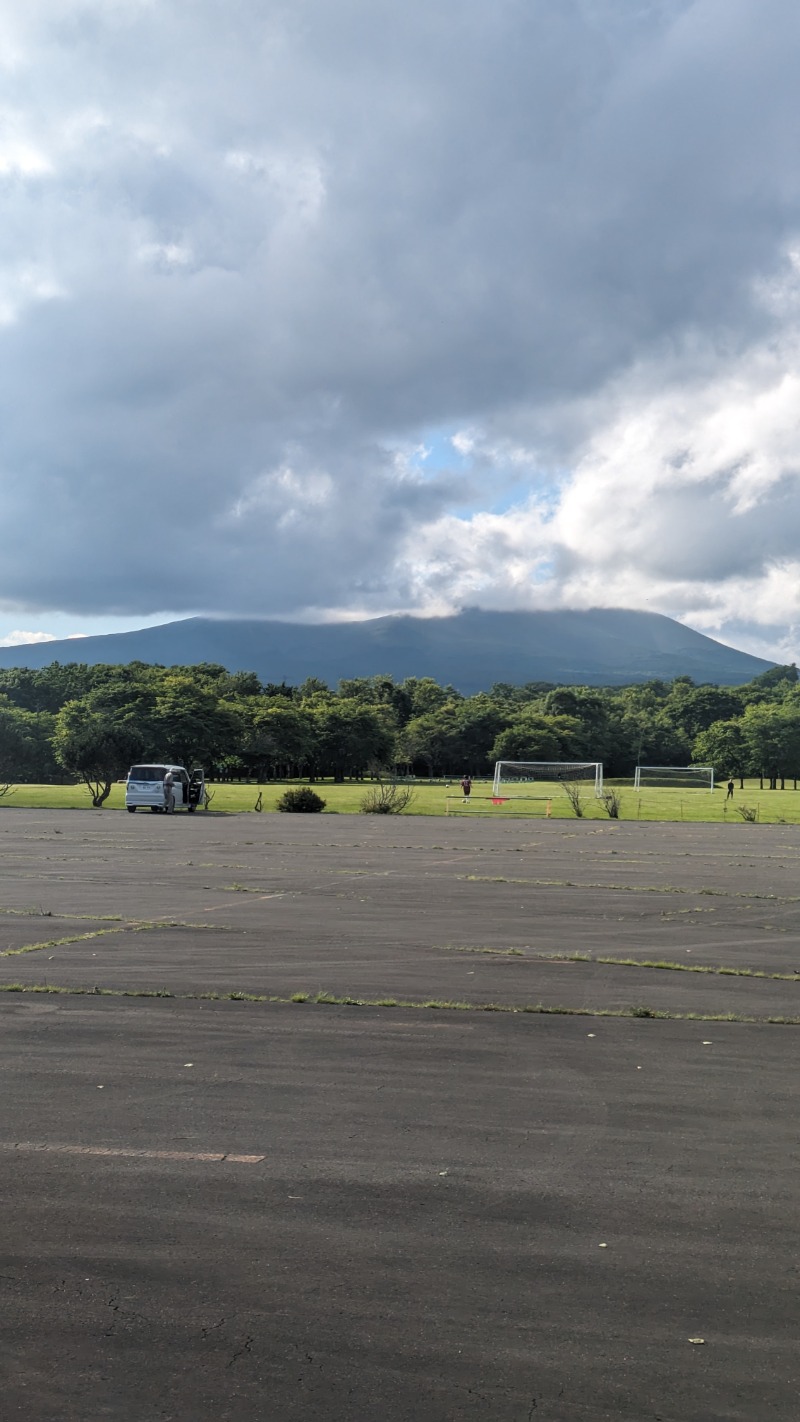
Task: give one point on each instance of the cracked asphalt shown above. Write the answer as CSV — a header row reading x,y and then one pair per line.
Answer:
x,y
246,1210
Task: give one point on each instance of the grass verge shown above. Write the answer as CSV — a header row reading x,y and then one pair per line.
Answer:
x,y
431,798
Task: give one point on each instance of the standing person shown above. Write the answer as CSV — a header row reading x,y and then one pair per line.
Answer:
x,y
466,786
169,792
729,795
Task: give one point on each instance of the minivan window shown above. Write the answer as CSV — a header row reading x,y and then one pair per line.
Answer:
x,y
147,772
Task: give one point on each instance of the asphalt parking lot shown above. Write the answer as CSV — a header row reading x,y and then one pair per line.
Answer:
x,y
242,1209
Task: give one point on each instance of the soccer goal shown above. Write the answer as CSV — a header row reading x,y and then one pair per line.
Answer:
x,y
514,777
674,777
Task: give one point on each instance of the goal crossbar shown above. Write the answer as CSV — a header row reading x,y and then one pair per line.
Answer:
x,y
523,773
681,777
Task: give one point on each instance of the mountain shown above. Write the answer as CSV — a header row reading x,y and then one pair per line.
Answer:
x,y
471,650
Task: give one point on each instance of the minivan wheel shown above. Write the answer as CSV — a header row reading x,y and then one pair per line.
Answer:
x,y
131,809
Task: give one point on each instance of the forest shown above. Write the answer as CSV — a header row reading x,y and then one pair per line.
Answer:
x,y
67,722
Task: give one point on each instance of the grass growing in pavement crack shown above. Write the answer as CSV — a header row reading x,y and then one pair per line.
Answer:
x,y
129,927
73,938
329,999
628,888
50,913
659,963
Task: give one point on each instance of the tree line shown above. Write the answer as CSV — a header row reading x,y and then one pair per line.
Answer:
x,y
95,722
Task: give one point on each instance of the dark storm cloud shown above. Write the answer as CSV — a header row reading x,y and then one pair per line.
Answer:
x,y
253,253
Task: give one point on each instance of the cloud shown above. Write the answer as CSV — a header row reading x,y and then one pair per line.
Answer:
x,y
257,259
21,639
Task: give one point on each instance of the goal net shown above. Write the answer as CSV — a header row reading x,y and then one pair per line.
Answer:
x,y
515,777
674,777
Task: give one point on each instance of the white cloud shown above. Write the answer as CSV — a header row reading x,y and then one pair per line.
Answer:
x,y
686,501
22,286
165,255
20,154
20,639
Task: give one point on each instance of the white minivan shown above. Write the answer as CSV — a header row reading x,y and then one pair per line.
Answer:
x,y
144,789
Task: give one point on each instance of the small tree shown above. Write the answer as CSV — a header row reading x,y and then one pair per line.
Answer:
x,y
96,746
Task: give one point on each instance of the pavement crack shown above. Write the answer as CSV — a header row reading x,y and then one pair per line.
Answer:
x,y
328,999
211,1328
247,1347
113,1304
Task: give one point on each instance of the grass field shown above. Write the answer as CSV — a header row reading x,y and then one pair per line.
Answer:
x,y
439,798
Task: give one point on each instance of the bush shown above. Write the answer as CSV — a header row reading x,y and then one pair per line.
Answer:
x,y
573,794
612,803
749,813
302,801
387,799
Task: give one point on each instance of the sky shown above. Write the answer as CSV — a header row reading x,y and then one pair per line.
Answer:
x,y
315,309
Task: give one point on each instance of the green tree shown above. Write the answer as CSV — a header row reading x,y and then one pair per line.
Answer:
x,y
536,736
95,745
349,737
278,739
723,746
775,677
49,688
425,695
648,730
311,688
432,742
602,738
694,708
26,752
379,690
478,722
275,689
771,734
191,724
503,691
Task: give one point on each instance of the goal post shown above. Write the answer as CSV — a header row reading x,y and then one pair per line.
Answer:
x,y
515,776
674,777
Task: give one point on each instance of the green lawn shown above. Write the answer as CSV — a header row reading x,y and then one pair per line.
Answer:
x,y
771,806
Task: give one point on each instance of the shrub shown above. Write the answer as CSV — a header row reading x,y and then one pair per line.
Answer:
x,y
573,794
612,802
387,799
749,813
303,800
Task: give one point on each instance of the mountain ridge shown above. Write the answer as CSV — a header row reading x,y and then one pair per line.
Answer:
x,y
471,650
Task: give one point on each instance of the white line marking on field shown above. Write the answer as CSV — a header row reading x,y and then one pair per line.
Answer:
x,y
128,1152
